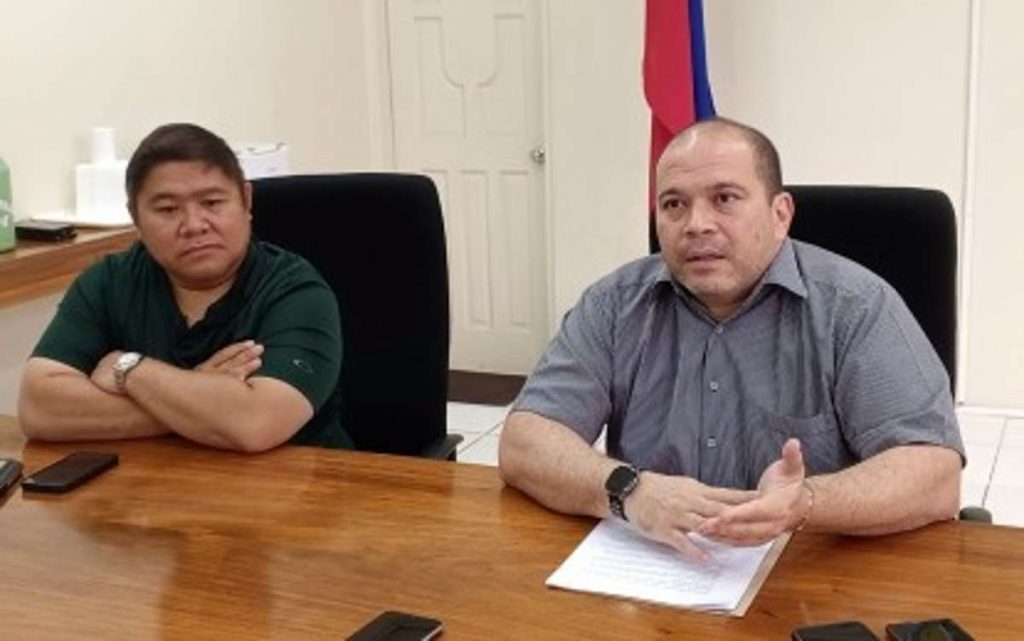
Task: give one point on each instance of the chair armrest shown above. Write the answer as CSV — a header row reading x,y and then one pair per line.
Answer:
x,y
976,514
443,448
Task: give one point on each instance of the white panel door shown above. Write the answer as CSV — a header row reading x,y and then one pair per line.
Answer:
x,y
466,104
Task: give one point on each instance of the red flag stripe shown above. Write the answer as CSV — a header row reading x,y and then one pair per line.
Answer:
x,y
668,75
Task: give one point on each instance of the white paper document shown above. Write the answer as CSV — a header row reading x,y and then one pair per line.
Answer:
x,y
617,561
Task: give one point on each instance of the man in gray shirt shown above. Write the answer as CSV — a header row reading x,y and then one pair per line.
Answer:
x,y
750,384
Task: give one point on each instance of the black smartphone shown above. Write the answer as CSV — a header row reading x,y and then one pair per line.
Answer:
x,y
43,230
932,630
69,472
398,626
841,631
10,472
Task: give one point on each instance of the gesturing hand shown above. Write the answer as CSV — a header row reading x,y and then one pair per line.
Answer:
x,y
781,504
239,360
665,508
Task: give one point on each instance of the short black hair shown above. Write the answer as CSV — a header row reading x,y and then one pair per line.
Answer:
x,y
179,142
766,157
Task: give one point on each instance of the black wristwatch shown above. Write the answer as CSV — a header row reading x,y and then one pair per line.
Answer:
x,y
620,484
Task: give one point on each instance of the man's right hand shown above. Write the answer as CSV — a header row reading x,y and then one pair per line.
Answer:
x,y
239,360
665,508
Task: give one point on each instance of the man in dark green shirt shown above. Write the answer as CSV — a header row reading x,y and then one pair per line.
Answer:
x,y
197,329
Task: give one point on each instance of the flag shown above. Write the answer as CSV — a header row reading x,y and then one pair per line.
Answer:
x,y
675,73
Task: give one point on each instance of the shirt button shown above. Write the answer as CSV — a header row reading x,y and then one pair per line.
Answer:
x,y
712,442
714,386
719,329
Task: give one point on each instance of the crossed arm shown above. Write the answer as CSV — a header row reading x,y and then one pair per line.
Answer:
x,y
218,404
899,489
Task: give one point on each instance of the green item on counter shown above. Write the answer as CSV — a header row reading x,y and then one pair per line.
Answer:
x,y
6,209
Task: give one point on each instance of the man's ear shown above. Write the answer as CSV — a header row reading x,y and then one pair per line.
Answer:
x,y
247,197
133,211
783,209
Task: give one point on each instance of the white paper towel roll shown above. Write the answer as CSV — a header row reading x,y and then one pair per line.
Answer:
x,y
103,145
99,185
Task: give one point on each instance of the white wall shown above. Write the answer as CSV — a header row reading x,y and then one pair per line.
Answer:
x,y
22,325
870,92
994,367
248,69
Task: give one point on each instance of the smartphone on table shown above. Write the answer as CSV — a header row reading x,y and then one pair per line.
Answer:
x,y
10,472
932,630
69,472
398,626
840,631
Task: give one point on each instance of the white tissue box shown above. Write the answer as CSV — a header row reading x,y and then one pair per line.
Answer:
x,y
99,194
262,160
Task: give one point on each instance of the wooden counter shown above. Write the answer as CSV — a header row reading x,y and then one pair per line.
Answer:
x,y
37,269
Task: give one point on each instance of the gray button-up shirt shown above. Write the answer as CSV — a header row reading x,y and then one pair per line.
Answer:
x,y
822,350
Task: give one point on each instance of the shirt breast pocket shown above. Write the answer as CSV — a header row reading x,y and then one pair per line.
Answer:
x,y
821,440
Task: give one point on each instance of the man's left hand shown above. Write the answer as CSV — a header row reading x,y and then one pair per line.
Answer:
x,y
781,505
103,374
239,360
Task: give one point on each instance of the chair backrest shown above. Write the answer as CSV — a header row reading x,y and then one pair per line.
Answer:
x,y
905,235
379,241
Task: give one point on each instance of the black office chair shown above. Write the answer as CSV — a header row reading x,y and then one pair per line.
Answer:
x,y
379,241
905,235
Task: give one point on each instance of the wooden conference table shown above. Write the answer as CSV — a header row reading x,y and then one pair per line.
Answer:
x,y
182,541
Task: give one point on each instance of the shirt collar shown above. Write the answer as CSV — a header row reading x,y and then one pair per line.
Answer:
x,y
783,271
246,280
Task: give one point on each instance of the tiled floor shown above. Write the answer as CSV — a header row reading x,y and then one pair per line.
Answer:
x,y
993,478
480,426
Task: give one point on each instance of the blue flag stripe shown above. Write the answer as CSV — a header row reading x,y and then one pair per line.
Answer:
x,y
704,104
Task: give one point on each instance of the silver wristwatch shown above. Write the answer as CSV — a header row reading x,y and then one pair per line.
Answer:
x,y
125,363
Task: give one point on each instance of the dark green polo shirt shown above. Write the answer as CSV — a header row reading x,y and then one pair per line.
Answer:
x,y
125,302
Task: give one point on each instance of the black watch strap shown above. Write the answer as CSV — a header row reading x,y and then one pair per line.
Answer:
x,y
617,506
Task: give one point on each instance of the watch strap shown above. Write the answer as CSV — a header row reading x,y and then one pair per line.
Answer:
x,y
617,505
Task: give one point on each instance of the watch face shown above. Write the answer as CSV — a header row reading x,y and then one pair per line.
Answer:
x,y
125,361
621,480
